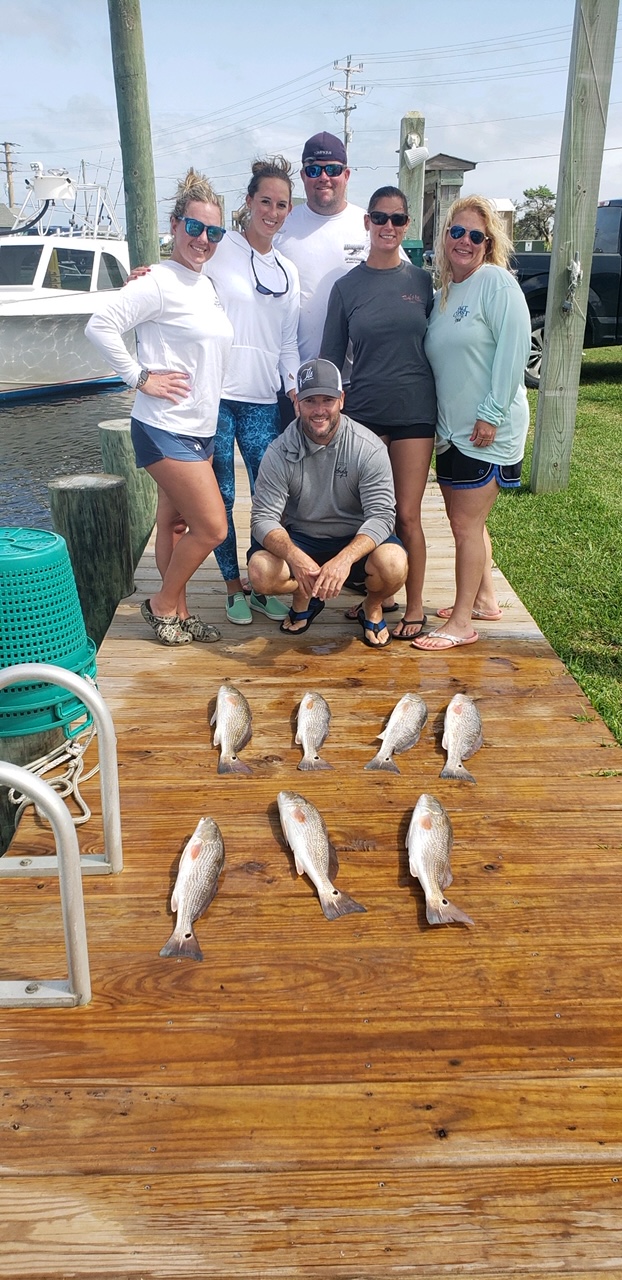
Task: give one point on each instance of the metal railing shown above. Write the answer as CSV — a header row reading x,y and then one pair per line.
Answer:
x,y
36,992
91,863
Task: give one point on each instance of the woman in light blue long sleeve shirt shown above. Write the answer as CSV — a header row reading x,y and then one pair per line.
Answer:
x,y
477,343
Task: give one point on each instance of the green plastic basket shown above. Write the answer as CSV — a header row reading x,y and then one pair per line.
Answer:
x,y
41,621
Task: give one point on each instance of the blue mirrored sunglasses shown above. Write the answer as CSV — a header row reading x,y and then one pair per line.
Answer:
x,y
194,228
331,170
476,237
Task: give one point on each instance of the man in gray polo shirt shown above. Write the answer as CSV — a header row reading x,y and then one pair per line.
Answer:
x,y
324,501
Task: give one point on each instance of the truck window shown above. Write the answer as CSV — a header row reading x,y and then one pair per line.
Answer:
x,y
111,274
18,263
607,238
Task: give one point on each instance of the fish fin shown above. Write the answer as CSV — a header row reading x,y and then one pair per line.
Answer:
x,y
458,772
446,879
446,913
298,865
313,762
333,862
381,734
183,944
231,764
337,904
387,763
476,746
246,739
213,718
444,743
298,739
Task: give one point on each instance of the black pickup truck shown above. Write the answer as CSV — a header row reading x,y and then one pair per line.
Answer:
x,y
604,307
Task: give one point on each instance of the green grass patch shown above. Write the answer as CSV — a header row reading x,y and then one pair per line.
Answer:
x,y
561,552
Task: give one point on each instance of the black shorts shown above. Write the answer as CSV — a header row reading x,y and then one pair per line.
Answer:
x,y
459,471
414,431
323,549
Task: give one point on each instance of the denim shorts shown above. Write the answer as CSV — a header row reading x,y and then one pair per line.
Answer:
x,y
459,471
151,444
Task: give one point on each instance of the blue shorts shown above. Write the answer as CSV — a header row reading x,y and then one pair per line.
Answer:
x,y
323,549
151,444
458,471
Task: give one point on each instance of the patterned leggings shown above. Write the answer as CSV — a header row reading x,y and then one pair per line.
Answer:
x,y
253,426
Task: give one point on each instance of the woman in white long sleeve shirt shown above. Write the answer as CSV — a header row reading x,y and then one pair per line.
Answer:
x,y
260,292
183,342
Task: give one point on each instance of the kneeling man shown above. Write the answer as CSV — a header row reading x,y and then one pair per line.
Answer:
x,y
324,503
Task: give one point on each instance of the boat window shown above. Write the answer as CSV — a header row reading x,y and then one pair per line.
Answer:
x,y
69,269
18,263
112,273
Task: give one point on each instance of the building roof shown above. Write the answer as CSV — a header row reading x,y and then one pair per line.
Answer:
x,y
442,161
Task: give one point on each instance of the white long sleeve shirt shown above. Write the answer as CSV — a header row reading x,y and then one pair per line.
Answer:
x,y
322,247
180,326
265,327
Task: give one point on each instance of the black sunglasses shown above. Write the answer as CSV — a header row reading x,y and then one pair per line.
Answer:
x,y
331,170
263,288
194,228
476,237
380,219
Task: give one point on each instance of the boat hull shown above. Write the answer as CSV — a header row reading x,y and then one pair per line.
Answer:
x,y
43,354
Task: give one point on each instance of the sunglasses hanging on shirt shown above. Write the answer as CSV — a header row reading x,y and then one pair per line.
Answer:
x,y
263,288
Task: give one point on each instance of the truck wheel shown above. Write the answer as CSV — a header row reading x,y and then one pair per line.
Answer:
x,y
534,363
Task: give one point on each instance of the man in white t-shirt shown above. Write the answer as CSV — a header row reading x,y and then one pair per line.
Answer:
x,y
325,237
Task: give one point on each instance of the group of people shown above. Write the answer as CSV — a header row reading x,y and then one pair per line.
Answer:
x,y
315,317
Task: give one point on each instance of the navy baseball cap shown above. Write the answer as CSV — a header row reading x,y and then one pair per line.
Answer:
x,y
318,378
324,147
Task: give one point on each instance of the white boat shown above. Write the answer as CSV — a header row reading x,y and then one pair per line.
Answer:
x,y
52,278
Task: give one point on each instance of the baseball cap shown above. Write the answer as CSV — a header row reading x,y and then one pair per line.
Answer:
x,y
324,146
318,378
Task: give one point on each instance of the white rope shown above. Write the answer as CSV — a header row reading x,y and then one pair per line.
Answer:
x,y
67,783
575,275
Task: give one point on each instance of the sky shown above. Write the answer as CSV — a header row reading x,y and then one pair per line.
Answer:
x,y
229,82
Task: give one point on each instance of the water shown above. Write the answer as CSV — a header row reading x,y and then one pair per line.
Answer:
x,y
39,442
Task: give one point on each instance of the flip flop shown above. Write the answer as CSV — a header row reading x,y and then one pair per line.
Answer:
x,y
354,617
376,628
476,614
409,622
451,642
315,606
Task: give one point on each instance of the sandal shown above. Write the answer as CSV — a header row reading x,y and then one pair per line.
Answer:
x,y
376,628
199,630
237,610
168,630
307,615
409,622
352,614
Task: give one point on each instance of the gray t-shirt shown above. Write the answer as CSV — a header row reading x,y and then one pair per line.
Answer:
x,y
331,491
384,314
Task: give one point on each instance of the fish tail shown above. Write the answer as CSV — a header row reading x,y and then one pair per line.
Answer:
x,y
313,762
446,913
458,772
184,944
335,904
232,764
387,763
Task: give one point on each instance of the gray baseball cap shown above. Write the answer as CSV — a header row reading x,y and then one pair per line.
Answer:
x,y
318,378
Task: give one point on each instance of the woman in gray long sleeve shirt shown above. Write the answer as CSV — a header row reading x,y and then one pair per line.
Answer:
x,y
382,307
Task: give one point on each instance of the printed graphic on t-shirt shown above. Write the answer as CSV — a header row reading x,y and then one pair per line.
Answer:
x,y
461,313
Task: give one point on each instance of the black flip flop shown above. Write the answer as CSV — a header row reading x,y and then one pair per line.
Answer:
x,y
410,622
315,606
386,608
376,627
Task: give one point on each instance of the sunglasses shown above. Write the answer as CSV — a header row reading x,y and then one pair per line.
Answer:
x,y
194,228
476,237
380,219
331,170
263,288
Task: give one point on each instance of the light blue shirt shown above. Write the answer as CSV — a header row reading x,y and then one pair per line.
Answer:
x,y
478,347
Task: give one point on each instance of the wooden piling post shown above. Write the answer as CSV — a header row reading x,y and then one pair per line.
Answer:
x,y
142,492
130,80
22,750
580,163
411,180
91,513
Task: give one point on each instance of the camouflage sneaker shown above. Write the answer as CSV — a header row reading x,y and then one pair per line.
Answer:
x,y
168,630
199,630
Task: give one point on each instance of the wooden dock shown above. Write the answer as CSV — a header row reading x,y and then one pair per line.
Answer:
x,y
365,1098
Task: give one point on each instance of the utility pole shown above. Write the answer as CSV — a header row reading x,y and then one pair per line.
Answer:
x,y
580,163
347,93
413,155
130,78
8,164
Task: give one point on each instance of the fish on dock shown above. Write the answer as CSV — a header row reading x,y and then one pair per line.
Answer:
x,y
197,881
429,841
305,831
313,723
234,728
402,731
462,736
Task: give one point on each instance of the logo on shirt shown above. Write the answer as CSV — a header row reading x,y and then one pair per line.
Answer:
x,y
411,297
461,313
342,472
354,252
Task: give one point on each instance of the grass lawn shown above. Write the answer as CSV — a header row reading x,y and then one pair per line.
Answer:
x,y
561,552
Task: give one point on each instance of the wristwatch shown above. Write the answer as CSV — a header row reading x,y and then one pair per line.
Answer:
x,y
142,378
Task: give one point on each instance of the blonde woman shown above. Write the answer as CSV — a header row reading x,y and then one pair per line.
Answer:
x,y
183,340
478,342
